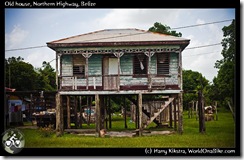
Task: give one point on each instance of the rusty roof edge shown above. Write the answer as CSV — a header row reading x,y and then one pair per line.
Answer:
x,y
128,43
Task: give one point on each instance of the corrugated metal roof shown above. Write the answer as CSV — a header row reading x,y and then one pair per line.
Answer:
x,y
118,35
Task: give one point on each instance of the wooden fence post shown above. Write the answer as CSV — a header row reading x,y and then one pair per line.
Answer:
x,y
233,114
201,113
59,116
216,112
68,112
98,127
140,113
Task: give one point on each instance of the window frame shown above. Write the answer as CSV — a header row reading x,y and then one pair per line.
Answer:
x,y
161,65
145,63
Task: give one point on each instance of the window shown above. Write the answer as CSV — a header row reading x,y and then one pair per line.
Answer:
x,y
140,64
163,63
79,65
79,70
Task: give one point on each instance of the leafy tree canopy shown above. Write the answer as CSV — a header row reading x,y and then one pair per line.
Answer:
x,y
160,28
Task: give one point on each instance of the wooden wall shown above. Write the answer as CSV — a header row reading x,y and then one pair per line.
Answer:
x,y
126,62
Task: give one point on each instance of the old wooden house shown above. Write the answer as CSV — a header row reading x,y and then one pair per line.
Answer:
x,y
121,62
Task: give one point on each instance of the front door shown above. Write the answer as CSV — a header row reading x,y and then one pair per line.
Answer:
x,y
110,71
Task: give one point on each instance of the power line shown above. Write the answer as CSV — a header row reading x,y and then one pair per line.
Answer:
x,y
204,46
200,54
25,48
202,24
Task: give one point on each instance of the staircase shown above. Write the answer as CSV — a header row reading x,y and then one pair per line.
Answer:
x,y
155,116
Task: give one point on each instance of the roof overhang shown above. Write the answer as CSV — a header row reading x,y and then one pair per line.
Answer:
x,y
182,44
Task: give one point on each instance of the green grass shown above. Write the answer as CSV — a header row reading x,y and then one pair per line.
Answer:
x,y
219,134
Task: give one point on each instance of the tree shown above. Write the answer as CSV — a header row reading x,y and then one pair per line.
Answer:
x,y
19,74
224,82
47,77
23,76
193,81
160,28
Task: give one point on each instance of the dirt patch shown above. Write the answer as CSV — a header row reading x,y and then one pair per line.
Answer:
x,y
92,132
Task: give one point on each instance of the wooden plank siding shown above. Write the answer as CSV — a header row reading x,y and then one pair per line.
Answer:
x,y
95,71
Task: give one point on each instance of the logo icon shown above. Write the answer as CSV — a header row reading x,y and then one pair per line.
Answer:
x,y
13,141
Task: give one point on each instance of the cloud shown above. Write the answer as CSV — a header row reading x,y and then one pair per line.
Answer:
x,y
137,18
15,37
37,57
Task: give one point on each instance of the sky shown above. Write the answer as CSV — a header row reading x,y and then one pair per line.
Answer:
x,y
35,27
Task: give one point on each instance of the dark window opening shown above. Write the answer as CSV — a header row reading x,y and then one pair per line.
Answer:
x,y
163,64
140,65
79,71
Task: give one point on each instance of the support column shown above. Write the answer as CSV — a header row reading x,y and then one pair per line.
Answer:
x,y
180,117
140,113
149,54
98,127
57,71
106,111
59,115
102,118
118,55
87,55
109,113
170,115
68,112
80,104
75,110
175,119
125,112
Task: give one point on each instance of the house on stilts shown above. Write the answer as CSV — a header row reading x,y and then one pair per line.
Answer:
x,y
121,62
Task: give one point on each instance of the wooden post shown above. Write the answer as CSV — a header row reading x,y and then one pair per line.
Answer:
x,y
101,112
125,112
80,100
68,112
98,127
170,115
216,110
180,116
59,116
75,110
137,114
57,71
87,109
233,114
118,55
149,54
192,108
201,114
140,113
175,119
106,112
109,114
118,78
189,110
86,56
197,112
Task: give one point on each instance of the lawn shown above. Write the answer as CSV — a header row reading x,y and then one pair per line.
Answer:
x,y
219,134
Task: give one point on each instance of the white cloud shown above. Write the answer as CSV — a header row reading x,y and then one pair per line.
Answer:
x,y
36,58
15,37
137,18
